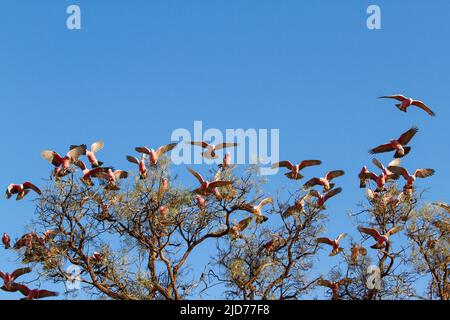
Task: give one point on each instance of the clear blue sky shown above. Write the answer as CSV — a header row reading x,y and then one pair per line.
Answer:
x,y
139,69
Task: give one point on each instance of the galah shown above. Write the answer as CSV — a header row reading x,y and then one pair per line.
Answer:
x,y
164,211
357,251
295,169
8,279
382,178
275,244
323,198
35,293
88,174
113,177
324,182
62,164
363,177
411,178
206,187
154,155
397,145
237,229
442,205
381,239
143,172
405,103
211,149
163,185
256,210
298,206
334,286
6,240
97,257
90,154
200,201
226,162
334,243
21,190
28,240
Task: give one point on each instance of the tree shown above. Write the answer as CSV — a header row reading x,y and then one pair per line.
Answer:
x,y
134,239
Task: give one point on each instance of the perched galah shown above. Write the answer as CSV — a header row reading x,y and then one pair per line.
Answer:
x,y
97,257
21,190
334,243
8,279
411,178
6,240
26,240
275,244
62,164
90,154
323,198
325,182
206,187
226,162
143,172
200,201
211,149
35,293
296,168
397,145
298,206
357,251
442,205
236,230
334,286
154,155
256,210
407,102
113,177
163,211
163,185
381,239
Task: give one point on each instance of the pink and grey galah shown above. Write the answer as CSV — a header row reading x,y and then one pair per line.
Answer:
x,y
411,178
143,172
90,153
256,209
334,286
21,190
325,182
323,198
398,145
381,239
211,149
35,293
382,178
6,240
406,102
207,187
9,279
295,169
334,243
155,155
62,164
